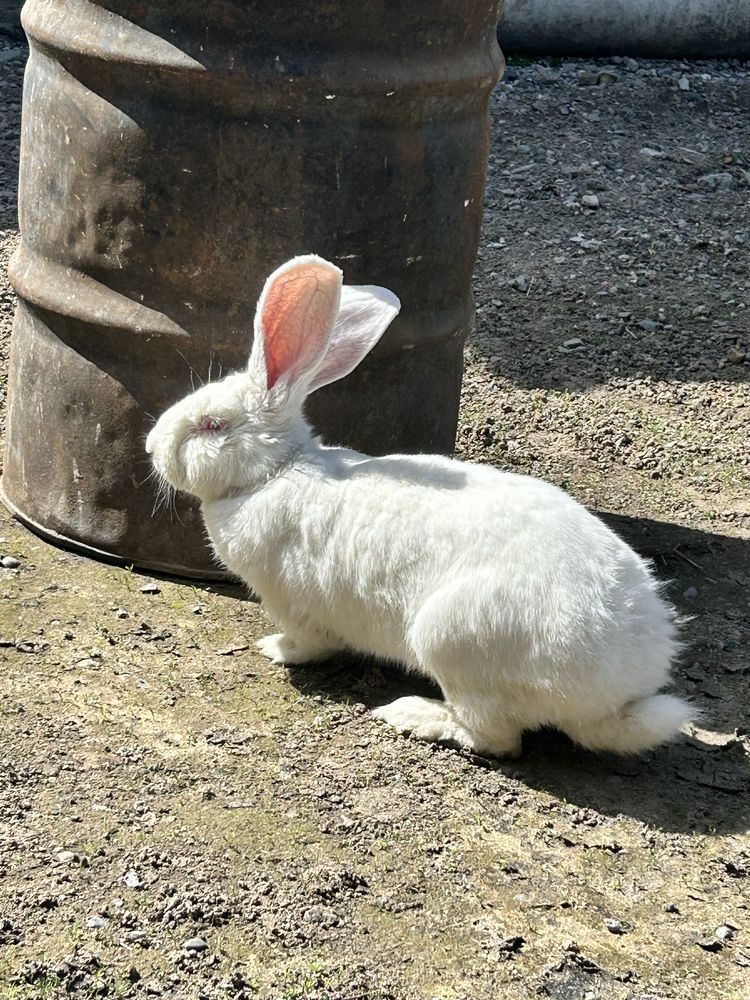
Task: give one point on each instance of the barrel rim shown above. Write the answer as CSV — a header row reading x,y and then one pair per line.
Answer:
x,y
102,555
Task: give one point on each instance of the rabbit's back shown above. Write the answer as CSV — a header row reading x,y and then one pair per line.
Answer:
x,y
523,574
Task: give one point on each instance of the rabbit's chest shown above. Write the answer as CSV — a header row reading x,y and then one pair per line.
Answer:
x,y
305,566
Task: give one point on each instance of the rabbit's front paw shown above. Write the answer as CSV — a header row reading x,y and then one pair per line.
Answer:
x,y
283,648
425,718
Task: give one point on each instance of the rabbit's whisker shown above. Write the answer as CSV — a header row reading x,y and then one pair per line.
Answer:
x,y
192,371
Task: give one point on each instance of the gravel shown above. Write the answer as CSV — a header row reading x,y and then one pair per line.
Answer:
x,y
179,818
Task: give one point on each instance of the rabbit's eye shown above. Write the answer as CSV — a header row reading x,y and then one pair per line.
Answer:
x,y
211,424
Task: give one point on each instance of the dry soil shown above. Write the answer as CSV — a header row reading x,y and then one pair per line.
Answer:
x,y
178,818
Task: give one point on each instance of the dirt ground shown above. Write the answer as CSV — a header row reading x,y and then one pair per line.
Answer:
x,y
179,818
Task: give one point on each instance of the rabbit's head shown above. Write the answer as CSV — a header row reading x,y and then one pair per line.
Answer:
x,y
232,435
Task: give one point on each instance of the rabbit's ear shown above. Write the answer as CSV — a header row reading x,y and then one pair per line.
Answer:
x,y
294,320
365,313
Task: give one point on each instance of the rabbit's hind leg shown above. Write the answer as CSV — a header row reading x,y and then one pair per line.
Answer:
x,y
456,640
442,722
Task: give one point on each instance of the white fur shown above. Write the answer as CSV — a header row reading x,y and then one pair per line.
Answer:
x,y
524,607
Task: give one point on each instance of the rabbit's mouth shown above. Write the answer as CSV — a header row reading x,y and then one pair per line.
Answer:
x,y
168,473
151,439
166,458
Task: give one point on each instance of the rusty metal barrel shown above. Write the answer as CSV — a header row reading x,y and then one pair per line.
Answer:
x,y
172,155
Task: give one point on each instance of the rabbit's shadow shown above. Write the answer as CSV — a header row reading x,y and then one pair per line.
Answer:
x,y
686,786
691,785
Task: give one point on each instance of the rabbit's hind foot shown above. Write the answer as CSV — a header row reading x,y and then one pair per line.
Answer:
x,y
437,721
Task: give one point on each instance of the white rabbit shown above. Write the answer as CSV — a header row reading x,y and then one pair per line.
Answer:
x,y
518,602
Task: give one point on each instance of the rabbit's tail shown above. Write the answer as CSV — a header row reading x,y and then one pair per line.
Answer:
x,y
637,726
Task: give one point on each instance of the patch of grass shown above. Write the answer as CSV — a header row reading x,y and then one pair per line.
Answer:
x,y
43,987
734,476
207,683
313,977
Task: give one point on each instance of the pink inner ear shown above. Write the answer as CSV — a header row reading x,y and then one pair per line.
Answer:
x,y
298,314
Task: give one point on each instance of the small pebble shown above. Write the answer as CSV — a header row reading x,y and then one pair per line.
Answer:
x,y
136,937
195,944
614,926
132,881
590,201
724,933
65,857
710,944
690,593
10,562
88,664
683,83
96,923
150,588
721,181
